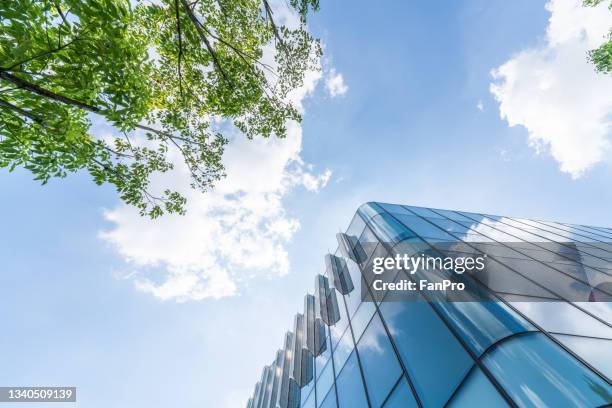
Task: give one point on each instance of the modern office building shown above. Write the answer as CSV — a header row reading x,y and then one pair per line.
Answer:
x,y
535,332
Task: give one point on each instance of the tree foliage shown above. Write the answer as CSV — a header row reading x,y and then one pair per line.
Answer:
x,y
601,57
163,69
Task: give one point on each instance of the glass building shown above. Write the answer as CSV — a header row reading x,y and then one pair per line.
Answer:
x,y
547,345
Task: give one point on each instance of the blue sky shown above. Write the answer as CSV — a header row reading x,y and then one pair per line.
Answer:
x,y
418,124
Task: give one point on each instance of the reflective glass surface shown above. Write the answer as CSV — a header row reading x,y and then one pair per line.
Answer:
x,y
477,391
435,360
536,372
379,362
401,397
350,385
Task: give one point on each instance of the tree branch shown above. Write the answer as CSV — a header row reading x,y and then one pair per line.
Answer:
x,y
272,23
44,54
23,84
61,13
23,112
180,45
204,39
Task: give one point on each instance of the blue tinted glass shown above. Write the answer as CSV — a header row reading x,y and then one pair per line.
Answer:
x,y
306,391
338,329
481,324
368,242
350,385
379,362
596,352
356,226
323,358
353,299
477,391
424,229
402,397
342,348
389,229
435,360
309,402
369,210
453,215
423,212
394,208
362,318
329,401
536,372
325,380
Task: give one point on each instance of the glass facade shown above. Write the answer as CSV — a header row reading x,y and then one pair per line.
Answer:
x,y
514,350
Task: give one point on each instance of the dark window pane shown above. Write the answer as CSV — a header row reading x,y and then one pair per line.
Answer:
x,y
402,397
477,391
350,385
379,362
537,372
435,360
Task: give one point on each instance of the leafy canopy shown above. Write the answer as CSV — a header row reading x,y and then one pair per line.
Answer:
x,y
601,57
164,69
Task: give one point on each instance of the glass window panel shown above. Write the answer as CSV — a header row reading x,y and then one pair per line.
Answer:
x,y
402,397
423,212
356,226
477,391
458,216
536,372
329,401
568,287
368,242
567,230
306,391
362,318
309,402
379,362
481,324
394,208
323,358
369,210
342,348
562,317
435,360
425,229
325,380
353,299
338,329
596,352
603,310
388,229
350,385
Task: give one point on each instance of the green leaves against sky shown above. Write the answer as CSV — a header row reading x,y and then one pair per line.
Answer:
x,y
163,69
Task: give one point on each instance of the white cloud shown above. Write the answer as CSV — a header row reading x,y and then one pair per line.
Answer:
x,y
228,236
555,93
480,106
334,83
